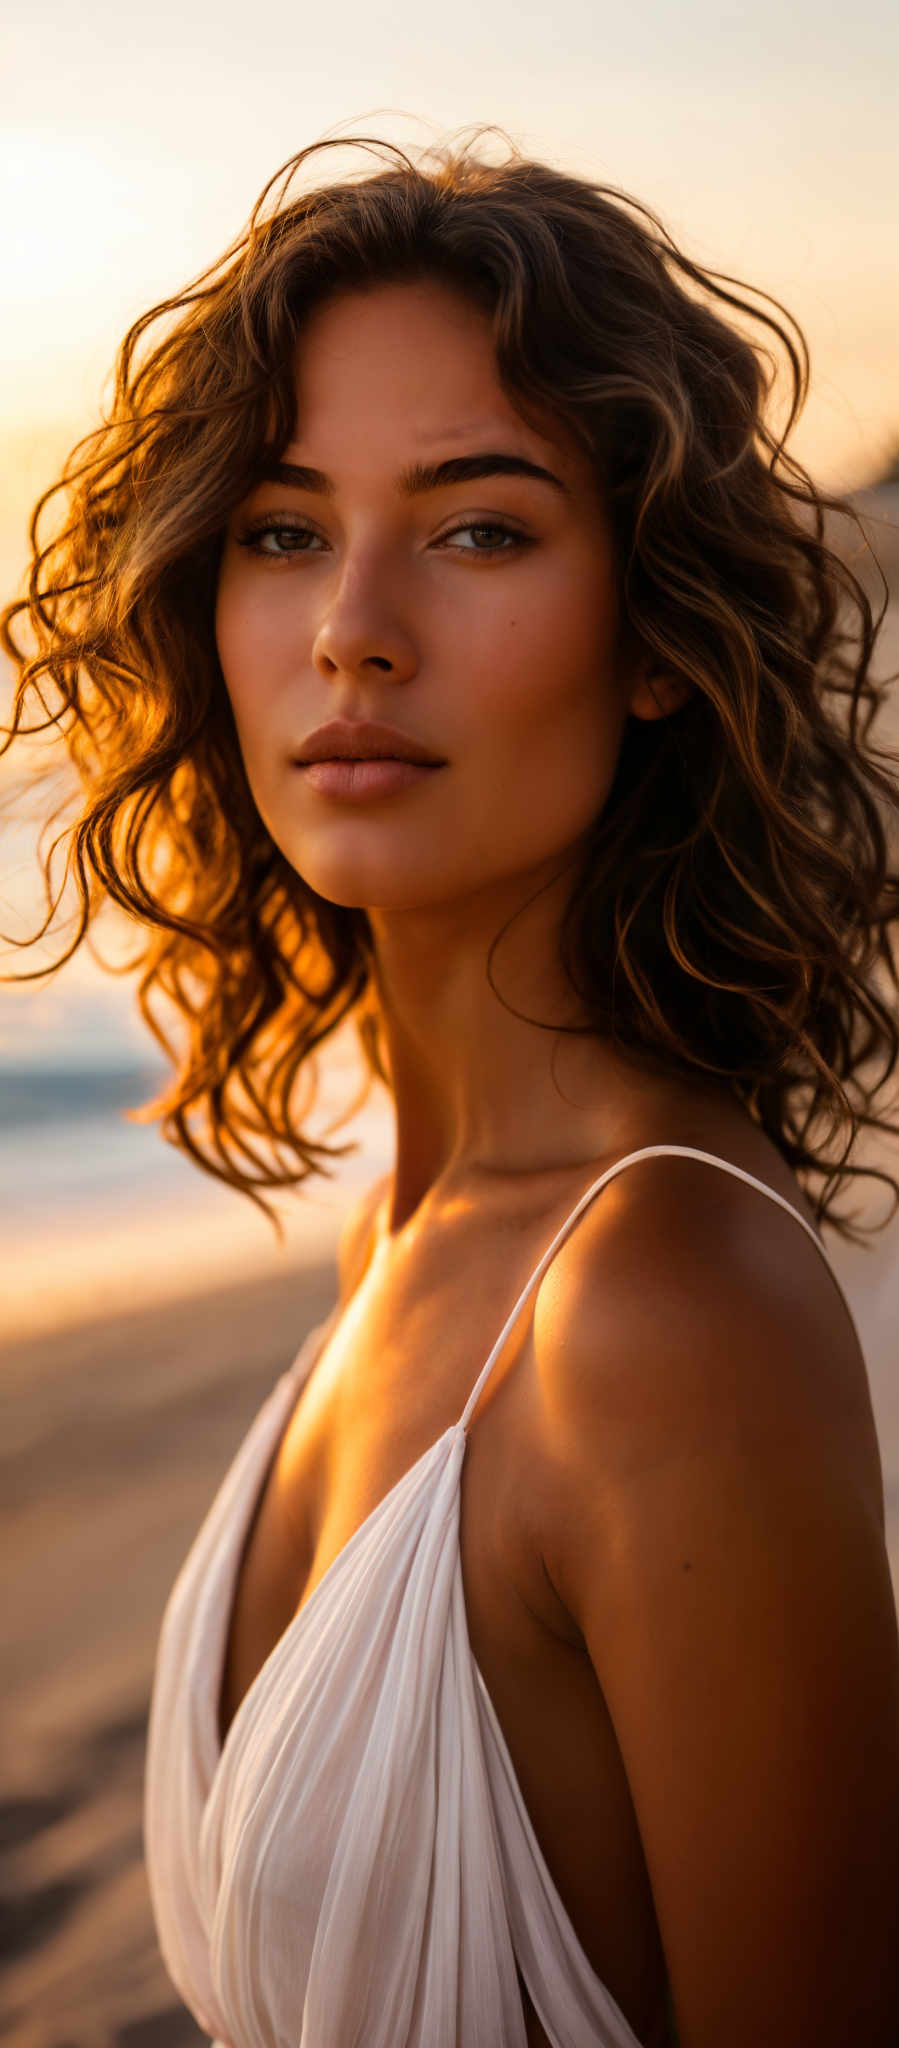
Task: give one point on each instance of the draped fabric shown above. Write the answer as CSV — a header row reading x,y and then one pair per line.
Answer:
x,y
355,1866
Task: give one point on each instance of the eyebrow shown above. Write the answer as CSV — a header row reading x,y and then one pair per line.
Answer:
x,y
423,476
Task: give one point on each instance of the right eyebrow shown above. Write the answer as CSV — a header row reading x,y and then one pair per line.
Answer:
x,y
423,476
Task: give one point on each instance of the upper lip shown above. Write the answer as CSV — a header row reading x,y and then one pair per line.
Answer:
x,y
357,739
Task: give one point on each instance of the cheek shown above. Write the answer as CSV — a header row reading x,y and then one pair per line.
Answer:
x,y
238,622
247,643
546,682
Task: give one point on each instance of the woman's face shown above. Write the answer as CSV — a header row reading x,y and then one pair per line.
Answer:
x,y
477,617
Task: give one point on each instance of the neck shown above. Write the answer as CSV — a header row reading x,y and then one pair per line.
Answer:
x,y
483,1094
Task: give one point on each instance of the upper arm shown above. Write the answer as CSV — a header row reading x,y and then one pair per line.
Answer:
x,y
722,1553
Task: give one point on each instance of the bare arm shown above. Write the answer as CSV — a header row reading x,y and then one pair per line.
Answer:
x,y
724,1559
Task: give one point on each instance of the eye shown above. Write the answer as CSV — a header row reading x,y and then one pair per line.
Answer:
x,y
509,533
279,530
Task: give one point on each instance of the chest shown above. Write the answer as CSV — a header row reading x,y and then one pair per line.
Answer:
x,y
395,1374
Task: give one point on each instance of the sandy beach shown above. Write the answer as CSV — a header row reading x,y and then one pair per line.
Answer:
x,y
117,1435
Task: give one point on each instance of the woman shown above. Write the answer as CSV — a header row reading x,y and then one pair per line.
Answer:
x,y
445,642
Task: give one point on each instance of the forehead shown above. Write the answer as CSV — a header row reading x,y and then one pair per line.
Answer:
x,y
416,358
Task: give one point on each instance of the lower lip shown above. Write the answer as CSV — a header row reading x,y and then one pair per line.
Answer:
x,y
359,781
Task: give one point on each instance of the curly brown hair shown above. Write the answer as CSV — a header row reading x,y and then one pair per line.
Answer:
x,y
735,910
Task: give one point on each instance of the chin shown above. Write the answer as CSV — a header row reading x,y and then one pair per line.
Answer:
x,y
352,890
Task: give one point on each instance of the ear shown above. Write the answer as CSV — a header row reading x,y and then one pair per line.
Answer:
x,y
657,691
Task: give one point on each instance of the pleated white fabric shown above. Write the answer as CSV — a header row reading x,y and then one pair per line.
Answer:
x,y
355,1867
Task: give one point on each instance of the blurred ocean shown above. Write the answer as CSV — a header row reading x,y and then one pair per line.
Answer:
x,y
97,1213
65,1139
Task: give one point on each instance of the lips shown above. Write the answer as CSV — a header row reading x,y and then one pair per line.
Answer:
x,y
363,740
359,781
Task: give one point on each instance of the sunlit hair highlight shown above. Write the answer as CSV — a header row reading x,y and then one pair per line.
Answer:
x,y
735,913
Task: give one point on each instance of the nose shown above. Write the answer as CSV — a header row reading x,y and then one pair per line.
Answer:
x,y
360,630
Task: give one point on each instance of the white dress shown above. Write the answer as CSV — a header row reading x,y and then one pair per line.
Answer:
x,y
355,1866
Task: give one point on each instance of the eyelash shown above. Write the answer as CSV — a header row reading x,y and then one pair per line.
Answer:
x,y
254,534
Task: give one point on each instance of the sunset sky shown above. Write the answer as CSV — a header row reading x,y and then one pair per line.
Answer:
x,y
764,136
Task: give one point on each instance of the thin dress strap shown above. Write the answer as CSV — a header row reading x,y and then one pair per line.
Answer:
x,y
645,1152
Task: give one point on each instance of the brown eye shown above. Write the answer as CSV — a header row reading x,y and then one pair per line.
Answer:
x,y
279,531
482,526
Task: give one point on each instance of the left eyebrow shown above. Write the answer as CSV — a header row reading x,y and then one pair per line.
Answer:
x,y
423,476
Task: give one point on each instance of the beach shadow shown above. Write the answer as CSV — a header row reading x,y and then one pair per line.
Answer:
x,y
172,2028
119,1741
27,1921
31,1916
21,1819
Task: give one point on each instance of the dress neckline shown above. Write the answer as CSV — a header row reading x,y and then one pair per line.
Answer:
x,y
456,1434
439,1478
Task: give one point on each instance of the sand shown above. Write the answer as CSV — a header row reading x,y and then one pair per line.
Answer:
x,y
117,1435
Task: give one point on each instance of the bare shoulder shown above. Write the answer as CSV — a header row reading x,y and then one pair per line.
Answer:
x,y
355,1239
688,1308
718,1541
